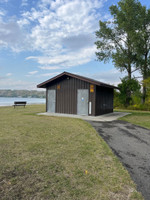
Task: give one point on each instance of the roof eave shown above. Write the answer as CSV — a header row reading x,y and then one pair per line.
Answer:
x,y
45,83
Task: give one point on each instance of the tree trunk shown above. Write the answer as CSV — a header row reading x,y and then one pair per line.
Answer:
x,y
144,95
129,72
129,92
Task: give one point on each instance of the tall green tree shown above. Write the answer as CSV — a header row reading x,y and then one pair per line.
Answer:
x,y
115,37
141,39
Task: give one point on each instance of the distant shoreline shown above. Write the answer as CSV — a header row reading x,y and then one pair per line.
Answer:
x,y
22,93
9,101
29,97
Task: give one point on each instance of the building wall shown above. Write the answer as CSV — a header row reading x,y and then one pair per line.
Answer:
x,y
104,100
66,94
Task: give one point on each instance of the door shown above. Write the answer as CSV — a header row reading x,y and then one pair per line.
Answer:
x,y
82,101
51,101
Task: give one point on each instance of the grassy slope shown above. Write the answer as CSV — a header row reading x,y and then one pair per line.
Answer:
x,y
141,118
46,158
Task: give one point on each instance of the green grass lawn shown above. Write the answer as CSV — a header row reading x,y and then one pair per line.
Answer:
x,y
141,118
50,158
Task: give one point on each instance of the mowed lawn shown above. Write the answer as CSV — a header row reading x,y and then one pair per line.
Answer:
x,y
141,118
57,158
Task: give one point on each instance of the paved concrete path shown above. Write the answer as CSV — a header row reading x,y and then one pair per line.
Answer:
x,y
106,117
131,144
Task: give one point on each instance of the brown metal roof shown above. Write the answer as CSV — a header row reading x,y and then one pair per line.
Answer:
x,y
45,84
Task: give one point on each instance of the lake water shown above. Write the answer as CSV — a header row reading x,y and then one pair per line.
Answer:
x,y
9,101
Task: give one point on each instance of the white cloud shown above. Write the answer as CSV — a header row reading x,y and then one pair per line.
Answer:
x,y
63,31
24,3
66,61
78,41
9,74
17,84
112,77
12,37
33,72
2,13
23,22
50,74
69,20
49,67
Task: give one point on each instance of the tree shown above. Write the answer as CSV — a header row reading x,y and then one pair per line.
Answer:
x,y
141,39
146,84
115,37
128,85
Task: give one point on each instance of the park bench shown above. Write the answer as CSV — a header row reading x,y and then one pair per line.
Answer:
x,y
20,103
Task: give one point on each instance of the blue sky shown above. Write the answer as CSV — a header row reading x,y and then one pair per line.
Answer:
x,y
42,38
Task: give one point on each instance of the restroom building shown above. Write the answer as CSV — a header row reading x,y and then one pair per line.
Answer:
x,y
73,94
